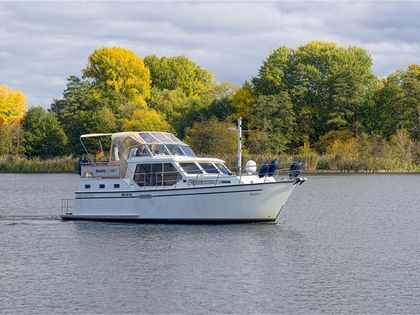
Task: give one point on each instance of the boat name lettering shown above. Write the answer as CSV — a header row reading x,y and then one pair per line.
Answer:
x,y
126,194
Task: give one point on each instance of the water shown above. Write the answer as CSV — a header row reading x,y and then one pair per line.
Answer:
x,y
344,244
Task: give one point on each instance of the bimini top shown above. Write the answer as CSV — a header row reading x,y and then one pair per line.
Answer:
x,y
124,144
143,137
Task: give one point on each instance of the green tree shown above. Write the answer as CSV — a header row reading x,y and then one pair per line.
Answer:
x,y
179,72
327,84
171,103
43,135
81,111
243,101
11,138
397,104
274,117
212,138
272,74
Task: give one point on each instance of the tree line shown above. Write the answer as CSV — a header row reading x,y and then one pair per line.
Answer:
x,y
319,102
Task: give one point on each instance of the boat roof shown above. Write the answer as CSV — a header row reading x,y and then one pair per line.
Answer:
x,y
142,137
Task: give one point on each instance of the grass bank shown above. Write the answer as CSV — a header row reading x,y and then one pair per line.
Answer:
x,y
314,163
335,163
18,164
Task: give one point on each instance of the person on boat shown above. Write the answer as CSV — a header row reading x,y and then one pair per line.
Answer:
x,y
82,161
141,150
155,149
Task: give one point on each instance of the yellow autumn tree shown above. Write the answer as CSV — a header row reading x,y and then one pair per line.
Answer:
x,y
121,71
146,120
12,105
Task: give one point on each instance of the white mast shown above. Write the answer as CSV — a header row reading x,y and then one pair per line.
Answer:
x,y
239,158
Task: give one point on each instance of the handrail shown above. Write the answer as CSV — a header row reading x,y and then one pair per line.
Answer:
x,y
66,206
171,179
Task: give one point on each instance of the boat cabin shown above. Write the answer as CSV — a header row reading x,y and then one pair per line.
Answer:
x,y
153,159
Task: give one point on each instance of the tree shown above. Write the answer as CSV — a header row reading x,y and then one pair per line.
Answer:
x,y
119,70
274,116
171,103
212,137
11,137
397,104
179,72
12,105
272,74
146,120
242,102
327,84
43,135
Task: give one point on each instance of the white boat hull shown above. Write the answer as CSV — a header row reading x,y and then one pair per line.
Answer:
x,y
228,203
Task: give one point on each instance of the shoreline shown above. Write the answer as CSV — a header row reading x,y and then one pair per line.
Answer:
x,y
315,173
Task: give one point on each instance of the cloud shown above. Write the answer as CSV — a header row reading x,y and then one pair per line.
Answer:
x,y
42,43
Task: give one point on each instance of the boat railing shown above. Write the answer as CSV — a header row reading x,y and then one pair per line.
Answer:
x,y
171,179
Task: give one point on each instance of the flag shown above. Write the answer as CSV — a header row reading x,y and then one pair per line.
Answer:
x,y
100,152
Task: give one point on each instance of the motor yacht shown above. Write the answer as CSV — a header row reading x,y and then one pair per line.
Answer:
x,y
155,177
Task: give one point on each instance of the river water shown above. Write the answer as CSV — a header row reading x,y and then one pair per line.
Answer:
x,y
343,244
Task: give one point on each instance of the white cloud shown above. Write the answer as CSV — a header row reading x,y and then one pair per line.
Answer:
x,y
42,43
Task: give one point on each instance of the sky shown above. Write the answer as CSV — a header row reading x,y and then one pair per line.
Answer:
x,y
44,42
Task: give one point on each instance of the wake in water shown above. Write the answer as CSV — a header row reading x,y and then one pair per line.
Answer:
x,y
10,219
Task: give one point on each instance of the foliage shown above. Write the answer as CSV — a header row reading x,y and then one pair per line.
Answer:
x,y
179,72
81,112
146,120
271,75
242,102
327,84
12,105
319,103
43,135
119,70
212,138
11,138
397,104
273,115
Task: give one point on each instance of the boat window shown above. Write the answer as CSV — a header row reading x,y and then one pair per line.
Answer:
x,y
191,168
148,174
223,169
209,168
170,174
174,149
187,150
159,149
173,138
156,174
161,137
148,137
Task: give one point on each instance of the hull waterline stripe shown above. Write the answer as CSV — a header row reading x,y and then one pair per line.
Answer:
x,y
173,195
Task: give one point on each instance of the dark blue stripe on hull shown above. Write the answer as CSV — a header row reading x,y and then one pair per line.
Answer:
x,y
170,221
